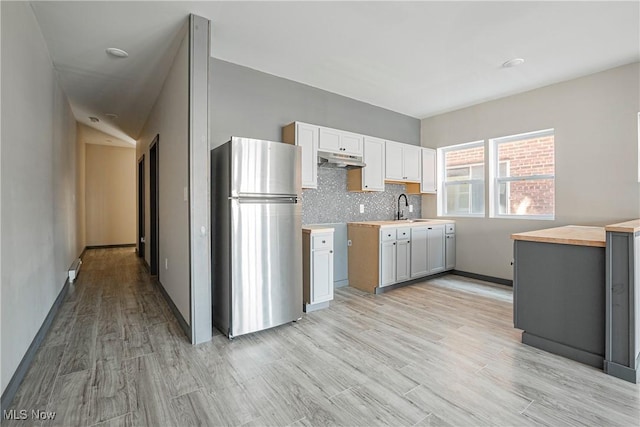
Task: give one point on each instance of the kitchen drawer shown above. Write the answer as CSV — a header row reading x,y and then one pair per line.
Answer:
x,y
403,233
387,234
323,241
450,228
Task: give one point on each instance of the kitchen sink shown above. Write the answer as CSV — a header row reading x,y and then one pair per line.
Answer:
x,y
413,220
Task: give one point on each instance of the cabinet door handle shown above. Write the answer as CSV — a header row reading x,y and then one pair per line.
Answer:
x,y
394,244
330,252
324,241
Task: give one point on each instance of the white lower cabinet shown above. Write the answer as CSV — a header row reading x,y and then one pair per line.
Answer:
x,y
427,250
419,252
403,260
395,255
450,256
404,252
317,270
435,237
388,263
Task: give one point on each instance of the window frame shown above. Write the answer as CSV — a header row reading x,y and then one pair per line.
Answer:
x,y
495,180
442,183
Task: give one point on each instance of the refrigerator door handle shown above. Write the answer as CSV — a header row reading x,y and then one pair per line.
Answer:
x,y
287,200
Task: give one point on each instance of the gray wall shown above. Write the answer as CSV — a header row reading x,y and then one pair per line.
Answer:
x,y
169,118
249,103
38,181
246,102
596,142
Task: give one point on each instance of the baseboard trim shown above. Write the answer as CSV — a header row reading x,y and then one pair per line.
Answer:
x,y
623,372
183,323
122,245
341,283
582,356
482,277
84,251
381,290
18,376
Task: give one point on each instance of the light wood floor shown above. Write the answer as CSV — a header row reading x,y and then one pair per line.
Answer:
x,y
443,352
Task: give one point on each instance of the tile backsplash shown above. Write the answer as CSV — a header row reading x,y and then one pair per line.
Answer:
x,y
332,203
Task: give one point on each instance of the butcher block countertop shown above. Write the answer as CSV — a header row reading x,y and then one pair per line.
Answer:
x,y
568,235
632,226
402,223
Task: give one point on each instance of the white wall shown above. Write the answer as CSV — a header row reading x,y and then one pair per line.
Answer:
x,y
81,229
38,185
170,119
110,195
596,142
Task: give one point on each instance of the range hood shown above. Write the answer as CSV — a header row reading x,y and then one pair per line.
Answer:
x,y
334,160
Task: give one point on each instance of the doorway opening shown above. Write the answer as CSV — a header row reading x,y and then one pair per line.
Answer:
x,y
141,207
153,196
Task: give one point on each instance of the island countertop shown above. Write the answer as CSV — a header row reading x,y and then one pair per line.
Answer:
x,y
568,235
632,226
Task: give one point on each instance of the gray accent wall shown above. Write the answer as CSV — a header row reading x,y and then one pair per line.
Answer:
x,y
250,103
246,102
596,145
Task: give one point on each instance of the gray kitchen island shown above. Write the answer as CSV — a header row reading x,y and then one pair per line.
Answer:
x,y
559,291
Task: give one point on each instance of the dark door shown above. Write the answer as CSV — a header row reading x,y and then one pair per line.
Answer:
x,y
141,207
153,196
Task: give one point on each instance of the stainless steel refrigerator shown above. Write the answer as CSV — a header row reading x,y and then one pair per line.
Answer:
x,y
257,235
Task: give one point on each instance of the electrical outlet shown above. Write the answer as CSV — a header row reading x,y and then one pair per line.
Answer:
x,y
410,208
361,208
166,263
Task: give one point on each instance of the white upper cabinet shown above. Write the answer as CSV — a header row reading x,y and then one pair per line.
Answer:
x,y
412,162
403,162
306,136
342,142
329,140
428,183
373,173
394,168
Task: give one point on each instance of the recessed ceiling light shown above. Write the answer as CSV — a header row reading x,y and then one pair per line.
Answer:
x,y
94,119
513,62
118,53
111,115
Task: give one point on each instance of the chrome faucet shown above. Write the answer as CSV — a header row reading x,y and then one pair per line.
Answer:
x,y
406,203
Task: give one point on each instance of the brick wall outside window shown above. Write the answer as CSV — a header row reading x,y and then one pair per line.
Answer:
x,y
533,156
525,158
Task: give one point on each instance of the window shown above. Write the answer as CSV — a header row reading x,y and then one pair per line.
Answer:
x,y
461,180
522,175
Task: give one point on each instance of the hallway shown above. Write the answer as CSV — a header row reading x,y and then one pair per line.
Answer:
x,y
440,352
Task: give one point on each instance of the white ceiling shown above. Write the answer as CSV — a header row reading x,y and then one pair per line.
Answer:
x,y
416,58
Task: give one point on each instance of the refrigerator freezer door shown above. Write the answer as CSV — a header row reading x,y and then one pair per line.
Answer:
x,y
266,246
264,168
